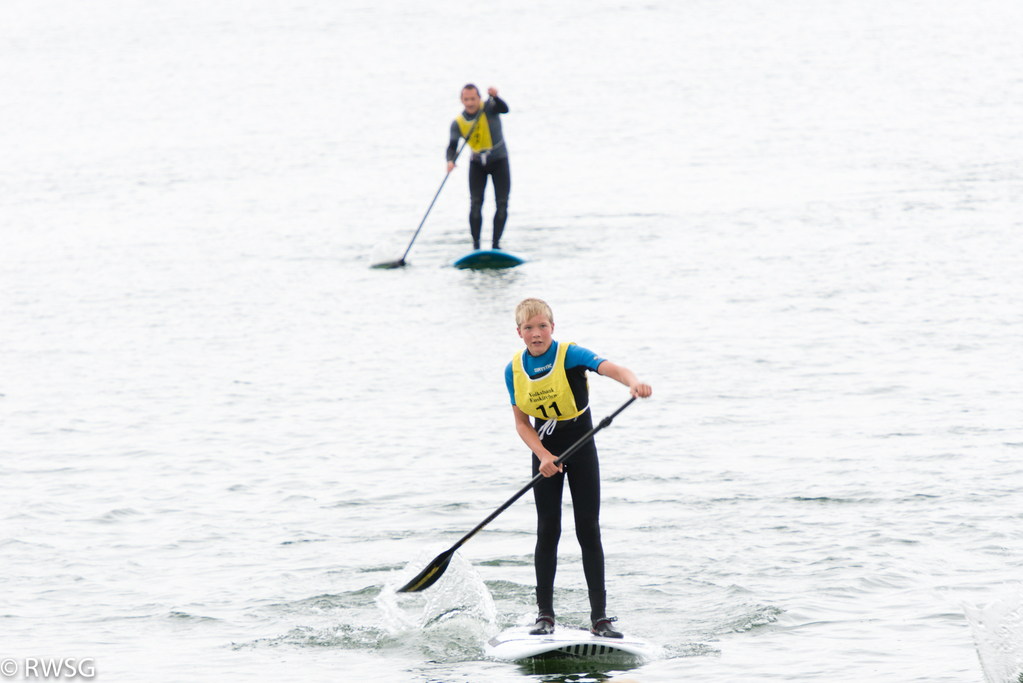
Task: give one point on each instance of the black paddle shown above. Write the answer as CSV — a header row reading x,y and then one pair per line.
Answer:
x,y
429,576
401,262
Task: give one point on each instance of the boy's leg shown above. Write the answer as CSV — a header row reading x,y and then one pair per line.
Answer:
x,y
545,608
547,496
584,483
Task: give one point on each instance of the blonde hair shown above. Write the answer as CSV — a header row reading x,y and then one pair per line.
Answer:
x,y
527,308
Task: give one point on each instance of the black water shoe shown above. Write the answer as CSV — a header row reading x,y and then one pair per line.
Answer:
x,y
544,625
602,628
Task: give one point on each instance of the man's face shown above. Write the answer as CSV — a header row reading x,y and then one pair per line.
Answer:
x,y
471,100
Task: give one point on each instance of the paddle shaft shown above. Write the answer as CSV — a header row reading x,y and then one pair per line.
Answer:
x,y
562,458
479,115
435,569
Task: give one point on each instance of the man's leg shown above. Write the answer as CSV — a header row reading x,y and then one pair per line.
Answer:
x,y
477,188
502,188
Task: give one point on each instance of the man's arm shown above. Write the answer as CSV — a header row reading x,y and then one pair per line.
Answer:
x,y
499,106
456,135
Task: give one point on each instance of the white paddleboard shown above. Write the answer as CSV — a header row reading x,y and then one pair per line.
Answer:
x,y
516,644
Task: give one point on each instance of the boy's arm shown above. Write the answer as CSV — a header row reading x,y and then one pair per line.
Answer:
x,y
626,377
529,436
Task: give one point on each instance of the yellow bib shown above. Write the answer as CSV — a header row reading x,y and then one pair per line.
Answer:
x,y
548,397
480,140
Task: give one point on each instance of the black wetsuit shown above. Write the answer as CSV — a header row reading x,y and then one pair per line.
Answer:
x,y
493,163
582,470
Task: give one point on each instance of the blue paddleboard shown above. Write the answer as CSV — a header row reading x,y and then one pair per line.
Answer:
x,y
489,258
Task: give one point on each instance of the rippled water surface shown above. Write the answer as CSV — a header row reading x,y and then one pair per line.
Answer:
x,y
225,439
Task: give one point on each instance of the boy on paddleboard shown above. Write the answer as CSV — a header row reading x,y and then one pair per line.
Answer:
x,y
547,381
489,157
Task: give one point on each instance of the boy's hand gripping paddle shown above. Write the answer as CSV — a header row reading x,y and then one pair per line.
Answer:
x,y
435,569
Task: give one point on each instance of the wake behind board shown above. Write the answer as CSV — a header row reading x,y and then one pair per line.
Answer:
x,y
480,259
515,645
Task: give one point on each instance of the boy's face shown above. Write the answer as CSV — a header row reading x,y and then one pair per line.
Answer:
x,y
536,332
471,100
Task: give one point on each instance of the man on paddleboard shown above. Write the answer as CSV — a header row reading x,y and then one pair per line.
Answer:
x,y
489,157
547,381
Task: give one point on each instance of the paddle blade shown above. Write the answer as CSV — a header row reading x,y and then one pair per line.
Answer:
x,y
387,265
429,576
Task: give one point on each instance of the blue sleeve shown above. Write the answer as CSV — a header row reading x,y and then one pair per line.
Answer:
x,y
577,355
509,379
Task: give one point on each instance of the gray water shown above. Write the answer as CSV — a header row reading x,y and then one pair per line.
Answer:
x,y
225,439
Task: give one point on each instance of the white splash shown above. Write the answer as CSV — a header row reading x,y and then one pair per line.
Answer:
x,y
459,594
998,635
